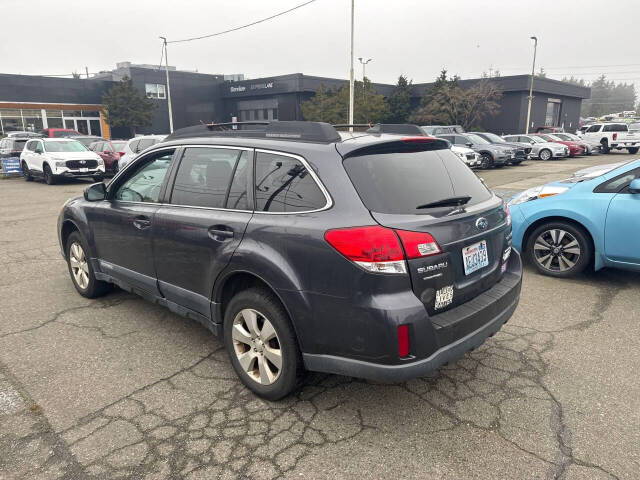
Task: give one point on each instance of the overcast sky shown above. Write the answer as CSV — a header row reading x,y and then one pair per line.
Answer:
x,y
415,38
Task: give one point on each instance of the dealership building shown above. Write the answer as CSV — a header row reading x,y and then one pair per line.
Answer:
x,y
34,102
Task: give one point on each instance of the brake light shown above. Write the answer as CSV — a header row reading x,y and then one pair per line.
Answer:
x,y
374,248
403,340
615,136
507,213
418,139
417,244
379,249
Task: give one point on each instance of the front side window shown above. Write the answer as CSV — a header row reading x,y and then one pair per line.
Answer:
x,y
617,184
204,178
283,184
144,183
594,128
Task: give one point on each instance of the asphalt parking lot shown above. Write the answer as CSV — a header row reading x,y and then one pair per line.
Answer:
x,y
120,388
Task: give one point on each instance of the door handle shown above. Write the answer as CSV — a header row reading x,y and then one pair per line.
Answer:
x,y
141,223
220,234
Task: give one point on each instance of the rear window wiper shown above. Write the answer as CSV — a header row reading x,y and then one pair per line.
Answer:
x,y
446,202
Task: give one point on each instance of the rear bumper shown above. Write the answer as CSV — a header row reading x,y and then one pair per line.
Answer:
x,y
483,316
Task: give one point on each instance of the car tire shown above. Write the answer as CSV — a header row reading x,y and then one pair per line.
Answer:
x,y
559,249
80,269
26,173
486,161
632,150
49,177
246,341
545,154
605,146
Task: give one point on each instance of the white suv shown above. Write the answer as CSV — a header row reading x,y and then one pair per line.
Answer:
x,y
52,158
135,146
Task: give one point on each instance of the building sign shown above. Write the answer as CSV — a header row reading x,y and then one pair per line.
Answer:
x,y
11,166
254,86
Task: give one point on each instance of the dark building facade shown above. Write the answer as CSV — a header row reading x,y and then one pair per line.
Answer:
x,y
36,102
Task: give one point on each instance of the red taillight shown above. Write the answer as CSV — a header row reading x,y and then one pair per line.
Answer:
x,y
418,139
379,249
403,340
120,153
615,136
417,244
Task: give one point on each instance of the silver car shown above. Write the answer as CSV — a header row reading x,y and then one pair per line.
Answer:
x,y
539,148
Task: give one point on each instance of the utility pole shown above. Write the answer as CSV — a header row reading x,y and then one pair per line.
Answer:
x,y
533,71
166,70
351,93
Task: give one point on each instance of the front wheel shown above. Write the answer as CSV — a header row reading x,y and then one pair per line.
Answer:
x,y
545,154
26,173
262,345
604,146
49,177
559,249
486,161
632,150
80,269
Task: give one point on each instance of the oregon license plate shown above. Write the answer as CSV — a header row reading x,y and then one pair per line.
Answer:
x,y
475,257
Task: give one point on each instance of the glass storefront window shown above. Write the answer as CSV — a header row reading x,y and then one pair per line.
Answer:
x,y
33,124
12,124
54,113
8,112
68,123
31,113
90,113
72,113
95,127
54,122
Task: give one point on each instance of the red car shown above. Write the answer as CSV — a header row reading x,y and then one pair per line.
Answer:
x,y
110,151
59,132
574,147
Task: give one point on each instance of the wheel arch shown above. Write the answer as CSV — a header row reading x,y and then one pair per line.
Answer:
x,y
237,281
559,218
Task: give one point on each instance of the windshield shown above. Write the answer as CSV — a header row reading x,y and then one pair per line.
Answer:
x,y
537,140
64,146
65,133
596,171
477,139
399,183
86,141
555,137
634,126
494,138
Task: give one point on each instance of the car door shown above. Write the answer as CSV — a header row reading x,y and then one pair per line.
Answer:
x,y
122,224
198,228
622,227
37,156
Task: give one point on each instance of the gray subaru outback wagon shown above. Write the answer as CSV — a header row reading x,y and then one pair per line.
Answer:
x,y
370,255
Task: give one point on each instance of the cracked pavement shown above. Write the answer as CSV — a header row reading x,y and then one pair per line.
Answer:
x,y
120,388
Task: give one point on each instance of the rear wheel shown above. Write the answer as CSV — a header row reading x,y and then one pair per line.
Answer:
x,y
49,177
545,154
632,150
262,345
26,173
80,269
604,146
486,160
559,249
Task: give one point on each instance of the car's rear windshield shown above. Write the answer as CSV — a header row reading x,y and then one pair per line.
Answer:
x,y
65,146
401,182
19,144
65,133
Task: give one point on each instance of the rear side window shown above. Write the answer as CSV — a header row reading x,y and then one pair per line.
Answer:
x,y
204,178
400,182
283,184
19,144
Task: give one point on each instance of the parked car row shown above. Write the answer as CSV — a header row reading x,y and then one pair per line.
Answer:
x,y
611,136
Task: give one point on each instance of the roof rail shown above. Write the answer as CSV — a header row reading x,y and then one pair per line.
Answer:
x,y
315,132
353,125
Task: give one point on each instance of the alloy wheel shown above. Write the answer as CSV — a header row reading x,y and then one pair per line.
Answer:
x,y
257,346
556,250
79,265
545,155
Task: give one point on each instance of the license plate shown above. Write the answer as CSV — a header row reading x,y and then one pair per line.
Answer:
x,y
84,170
475,257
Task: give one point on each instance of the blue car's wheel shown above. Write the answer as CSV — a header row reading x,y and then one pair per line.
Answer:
x,y
559,249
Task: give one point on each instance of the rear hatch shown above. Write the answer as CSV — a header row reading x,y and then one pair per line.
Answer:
x,y
434,192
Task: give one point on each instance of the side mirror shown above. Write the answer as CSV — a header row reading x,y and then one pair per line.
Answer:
x,y
634,186
95,192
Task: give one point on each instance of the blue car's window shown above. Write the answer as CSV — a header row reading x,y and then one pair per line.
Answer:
x,y
618,183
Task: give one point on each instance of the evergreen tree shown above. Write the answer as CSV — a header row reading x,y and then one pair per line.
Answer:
x,y
400,101
127,107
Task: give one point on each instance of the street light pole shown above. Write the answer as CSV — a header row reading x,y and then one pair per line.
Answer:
x,y
351,93
533,71
364,64
166,70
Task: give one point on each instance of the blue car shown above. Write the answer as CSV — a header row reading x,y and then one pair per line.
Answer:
x,y
592,217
